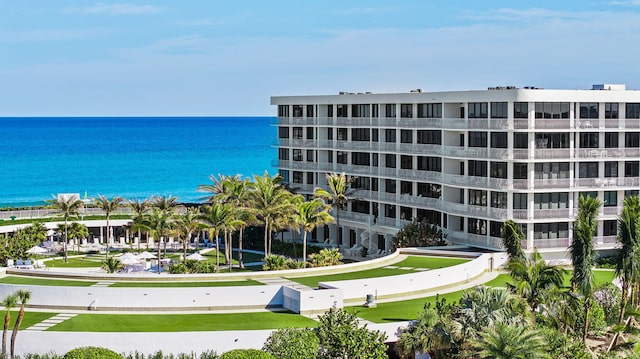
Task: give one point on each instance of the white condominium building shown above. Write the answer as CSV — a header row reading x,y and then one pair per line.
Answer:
x,y
466,160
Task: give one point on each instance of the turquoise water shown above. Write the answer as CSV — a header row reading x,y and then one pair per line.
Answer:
x,y
130,157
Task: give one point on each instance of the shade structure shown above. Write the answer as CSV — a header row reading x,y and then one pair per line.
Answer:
x,y
37,250
146,255
196,257
128,256
127,261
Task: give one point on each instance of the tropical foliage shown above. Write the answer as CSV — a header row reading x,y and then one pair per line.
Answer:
x,y
419,234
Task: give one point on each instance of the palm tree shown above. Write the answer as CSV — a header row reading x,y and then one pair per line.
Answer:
x,y
511,342
67,207
160,223
535,279
76,231
219,190
512,237
216,217
583,254
23,297
268,198
186,224
309,215
167,205
108,206
8,303
628,256
338,194
139,209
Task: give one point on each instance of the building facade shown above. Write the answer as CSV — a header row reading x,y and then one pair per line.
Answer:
x,y
466,160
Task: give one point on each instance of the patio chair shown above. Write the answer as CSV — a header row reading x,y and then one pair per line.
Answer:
x,y
28,264
10,263
19,263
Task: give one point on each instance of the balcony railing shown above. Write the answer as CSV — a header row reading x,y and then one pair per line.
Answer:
x,y
552,153
553,124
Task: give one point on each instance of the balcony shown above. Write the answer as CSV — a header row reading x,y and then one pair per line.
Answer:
x,y
551,243
552,124
552,183
475,240
563,213
552,153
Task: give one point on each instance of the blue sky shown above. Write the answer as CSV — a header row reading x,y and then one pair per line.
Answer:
x,y
137,58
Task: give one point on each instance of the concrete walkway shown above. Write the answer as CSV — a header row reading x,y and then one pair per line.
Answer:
x,y
48,323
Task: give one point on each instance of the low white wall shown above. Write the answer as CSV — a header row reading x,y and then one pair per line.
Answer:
x,y
311,301
418,281
184,298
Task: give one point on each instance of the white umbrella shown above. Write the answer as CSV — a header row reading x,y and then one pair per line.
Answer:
x,y
128,255
146,255
196,257
127,261
36,250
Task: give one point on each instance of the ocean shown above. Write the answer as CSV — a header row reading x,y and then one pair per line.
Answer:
x,y
131,157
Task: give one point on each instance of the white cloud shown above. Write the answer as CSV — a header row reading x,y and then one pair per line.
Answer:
x,y
625,2
116,9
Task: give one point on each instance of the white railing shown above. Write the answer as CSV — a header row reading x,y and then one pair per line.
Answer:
x,y
552,123
552,153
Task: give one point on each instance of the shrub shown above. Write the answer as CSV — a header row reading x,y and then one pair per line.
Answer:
x,y
92,353
177,269
326,257
292,343
246,354
419,234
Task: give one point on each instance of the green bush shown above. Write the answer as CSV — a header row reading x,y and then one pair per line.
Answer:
x,y
92,353
246,354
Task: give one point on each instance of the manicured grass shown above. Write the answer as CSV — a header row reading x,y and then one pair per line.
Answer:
x,y
30,318
411,261
80,262
44,281
185,284
408,309
181,322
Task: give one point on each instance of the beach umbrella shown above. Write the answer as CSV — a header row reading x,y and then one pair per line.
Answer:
x,y
196,257
128,261
128,256
146,255
36,250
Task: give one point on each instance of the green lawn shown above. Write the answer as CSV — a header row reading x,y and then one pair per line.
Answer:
x,y
30,318
181,322
186,284
94,261
411,261
408,309
44,281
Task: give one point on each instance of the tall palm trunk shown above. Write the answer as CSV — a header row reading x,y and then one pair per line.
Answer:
x,y
304,246
139,239
184,246
7,318
16,327
66,239
106,255
217,253
240,261
587,306
159,252
266,237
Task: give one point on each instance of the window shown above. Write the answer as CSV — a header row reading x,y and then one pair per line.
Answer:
x,y
390,110
589,140
610,140
609,228
588,110
389,136
552,110
430,110
330,111
588,170
310,156
374,135
360,158
297,154
631,169
283,110
499,110
477,110
429,190
498,140
330,134
283,132
297,177
297,133
374,159
285,175
631,192
477,226
360,206
591,194
341,157
406,162
390,160
610,198
359,110
495,229
310,111
297,111
552,140
283,153
342,111
389,211
360,134
520,171
390,186
520,110
342,134
499,200
632,139
406,136
551,200
477,197
406,213
430,137
478,168
520,140
552,170
550,230
330,156
406,187
309,177
309,133
520,201
498,170
632,110
426,163
611,169
406,110
430,216
611,110
374,110
477,139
